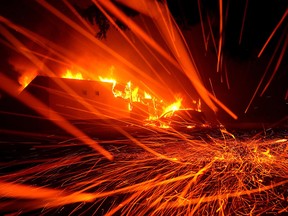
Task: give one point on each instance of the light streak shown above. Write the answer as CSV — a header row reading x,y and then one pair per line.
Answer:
x,y
243,22
220,35
231,176
202,25
284,48
266,71
273,32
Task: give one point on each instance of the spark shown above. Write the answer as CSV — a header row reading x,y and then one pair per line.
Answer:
x,y
243,22
231,176
273,32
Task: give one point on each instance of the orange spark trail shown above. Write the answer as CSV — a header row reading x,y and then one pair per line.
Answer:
x,y
273,32
49,197
223,106
220,34
208,178
202,25
243,22
9,86
211,33
265,73
225,196
284,48
226,76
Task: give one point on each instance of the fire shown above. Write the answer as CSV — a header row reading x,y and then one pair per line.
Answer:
x,y
174,106
147,96
72,75
133,94
114,82
198,105
107,80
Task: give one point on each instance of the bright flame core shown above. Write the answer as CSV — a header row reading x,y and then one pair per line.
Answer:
x,y
174,106
72,75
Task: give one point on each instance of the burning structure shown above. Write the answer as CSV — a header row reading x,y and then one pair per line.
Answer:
x,y
80,99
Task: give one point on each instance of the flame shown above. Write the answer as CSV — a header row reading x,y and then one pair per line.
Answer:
x,y
114,82
25,79
107,80
174,106
134,94
72,75
130,93
147,96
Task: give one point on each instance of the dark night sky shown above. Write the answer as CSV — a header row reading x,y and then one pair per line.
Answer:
x,y
244,69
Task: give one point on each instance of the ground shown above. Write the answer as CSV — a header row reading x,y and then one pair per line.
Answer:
x,y
153,173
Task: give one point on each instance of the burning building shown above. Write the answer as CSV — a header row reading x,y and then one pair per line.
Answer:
x,y
75,98
78,99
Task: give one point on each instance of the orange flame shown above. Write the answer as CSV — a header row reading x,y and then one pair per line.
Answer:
x,y
107,80
147,96
174,106
110,80
70,75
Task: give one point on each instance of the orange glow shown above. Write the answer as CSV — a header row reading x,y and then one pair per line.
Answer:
x,y
134,94
113,81
267,153
174,106
72,75
108,80
147,96
26,78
